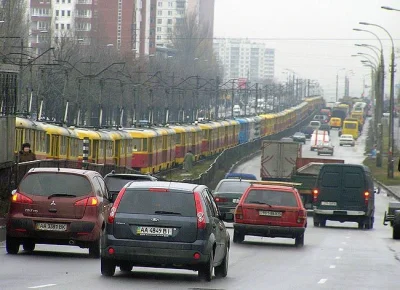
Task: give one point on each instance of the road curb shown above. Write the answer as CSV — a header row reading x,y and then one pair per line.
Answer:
x,y
243,160
388,190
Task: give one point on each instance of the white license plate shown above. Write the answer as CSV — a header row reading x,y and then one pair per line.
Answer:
x,y
51,227
331,203
153,231
236,200
270,213
232,210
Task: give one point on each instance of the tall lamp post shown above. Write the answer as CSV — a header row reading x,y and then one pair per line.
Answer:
x,y
390,171
337,83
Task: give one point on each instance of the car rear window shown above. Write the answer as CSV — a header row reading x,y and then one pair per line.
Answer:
x,y
46,184
149,202
331,179
232,187
272,197
116,183
353,180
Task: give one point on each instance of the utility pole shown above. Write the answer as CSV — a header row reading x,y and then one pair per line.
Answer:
x,y
337,87
233,97
308,88
216,110
20,75
256,99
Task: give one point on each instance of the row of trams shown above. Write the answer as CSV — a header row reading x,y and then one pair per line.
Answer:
x,y
150,149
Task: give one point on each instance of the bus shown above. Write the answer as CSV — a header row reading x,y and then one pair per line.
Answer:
x,y
350,127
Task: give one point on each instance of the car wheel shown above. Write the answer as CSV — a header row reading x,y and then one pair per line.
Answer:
x,y
221,271
12,245
125,268
94,249
361,225
299,241
206,271
316,224
369,223
28,246
238,237
322,223
107,267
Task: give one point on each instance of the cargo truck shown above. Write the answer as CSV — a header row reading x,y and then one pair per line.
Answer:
x,y
283,161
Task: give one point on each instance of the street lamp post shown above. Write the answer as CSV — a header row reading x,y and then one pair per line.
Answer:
x,y
390,172
337,83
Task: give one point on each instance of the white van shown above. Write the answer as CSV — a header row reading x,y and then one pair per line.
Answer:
x,y
319,137
315,124
236,110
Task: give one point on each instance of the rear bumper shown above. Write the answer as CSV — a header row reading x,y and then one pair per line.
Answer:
x,y
340,212
79,231
268,231
155,254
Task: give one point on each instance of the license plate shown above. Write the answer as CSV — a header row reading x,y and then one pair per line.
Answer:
x,y
51,227
236,200
232,210
331,203
270,213
153,231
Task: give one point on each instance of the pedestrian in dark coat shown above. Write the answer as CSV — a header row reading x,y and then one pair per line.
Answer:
x,y
26,153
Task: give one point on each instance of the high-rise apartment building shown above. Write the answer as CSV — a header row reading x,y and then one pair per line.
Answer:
x,y
244,59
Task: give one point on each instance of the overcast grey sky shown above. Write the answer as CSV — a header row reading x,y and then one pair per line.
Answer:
x,y
314,38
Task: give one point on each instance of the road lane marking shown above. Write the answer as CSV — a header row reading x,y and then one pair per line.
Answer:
x,y
337,258
347,237
42,286
332,267
322,281
344,243
340,249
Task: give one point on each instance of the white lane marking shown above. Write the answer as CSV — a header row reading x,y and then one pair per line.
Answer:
x,y
337,258
42,286
332,267
347,237
344,243
322,281
340,249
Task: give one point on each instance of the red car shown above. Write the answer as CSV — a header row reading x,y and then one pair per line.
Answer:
x,y
273,211
58,206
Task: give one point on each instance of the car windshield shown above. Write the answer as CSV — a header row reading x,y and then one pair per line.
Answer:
x,y
116,183
298,134
46,184
232,186
152,202
272,197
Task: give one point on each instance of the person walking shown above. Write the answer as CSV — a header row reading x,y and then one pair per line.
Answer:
x,y
188,161
26,153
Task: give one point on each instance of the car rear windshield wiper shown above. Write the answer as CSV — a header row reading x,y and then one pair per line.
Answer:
x,y
167,212
259,202
61,195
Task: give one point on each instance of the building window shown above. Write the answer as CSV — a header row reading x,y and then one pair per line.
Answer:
x,y
69,1
63,1
159,4
159,21
68,26
158,29
62,13
170,4
58,1
169,13
169,21
57,12
69,13
169,29
158,37
159,12
56,25
62,26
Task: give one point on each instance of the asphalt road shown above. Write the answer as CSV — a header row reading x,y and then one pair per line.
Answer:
x,y
339,256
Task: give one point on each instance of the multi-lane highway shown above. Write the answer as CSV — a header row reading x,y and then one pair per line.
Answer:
x,y
339,256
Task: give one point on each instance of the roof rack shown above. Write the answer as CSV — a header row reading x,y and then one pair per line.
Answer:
x,y
283,183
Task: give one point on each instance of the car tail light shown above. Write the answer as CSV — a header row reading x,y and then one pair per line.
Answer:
x,y
89,201
302,215
366,197
238,213
220,199
114,208
201,221
315,195
158,189
20,198
111,251
196,256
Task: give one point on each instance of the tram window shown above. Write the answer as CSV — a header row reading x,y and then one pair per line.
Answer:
x,y
137,145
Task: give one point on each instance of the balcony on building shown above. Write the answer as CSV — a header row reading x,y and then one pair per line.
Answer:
x,y
83,4
40,4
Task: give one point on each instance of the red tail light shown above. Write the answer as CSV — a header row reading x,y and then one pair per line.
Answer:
x,y
238,213
89,201
158,189
201,220
302,215
114,208
220,199
20,198
366,197
315,195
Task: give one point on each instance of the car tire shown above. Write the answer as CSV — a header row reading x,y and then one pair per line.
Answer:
x,y
322,224
12,245
28,246
221,271
238,237
396,232
369,223
107,267
361,225
206,271
94,249
299,241
126,268
316,224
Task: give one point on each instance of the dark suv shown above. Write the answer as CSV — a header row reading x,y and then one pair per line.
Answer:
x,y
58,206
165,225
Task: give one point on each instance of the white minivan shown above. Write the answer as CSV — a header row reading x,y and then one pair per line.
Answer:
x,y
236,110
318,138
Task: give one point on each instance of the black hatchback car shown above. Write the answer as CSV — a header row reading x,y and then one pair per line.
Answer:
x,y
165,225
